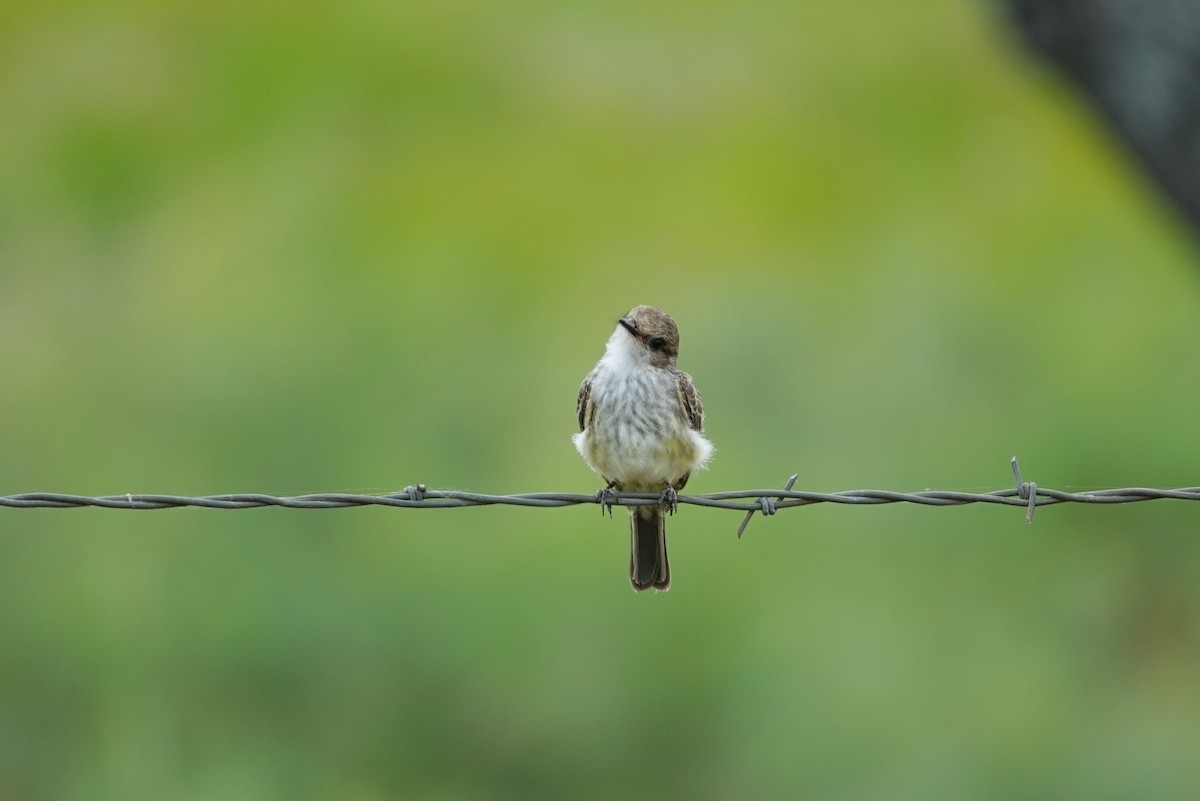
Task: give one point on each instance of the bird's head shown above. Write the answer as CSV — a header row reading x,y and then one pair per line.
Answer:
x,y
647,335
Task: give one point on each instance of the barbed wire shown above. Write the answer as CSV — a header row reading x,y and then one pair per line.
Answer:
x,y
767,501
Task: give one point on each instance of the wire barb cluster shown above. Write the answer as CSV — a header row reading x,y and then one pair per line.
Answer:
x,y
1025,494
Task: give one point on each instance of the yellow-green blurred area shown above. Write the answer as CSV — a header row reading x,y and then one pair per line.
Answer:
x,y
287,248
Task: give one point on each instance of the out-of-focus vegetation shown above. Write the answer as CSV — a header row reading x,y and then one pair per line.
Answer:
x,y
279,248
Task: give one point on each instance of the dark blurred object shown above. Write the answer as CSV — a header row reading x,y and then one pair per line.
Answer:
x,y
1140,60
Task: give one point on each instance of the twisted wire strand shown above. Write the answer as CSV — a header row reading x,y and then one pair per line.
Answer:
x,y
1024,493
741,500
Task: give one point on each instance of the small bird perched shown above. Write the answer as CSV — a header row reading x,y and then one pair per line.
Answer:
x,y
640,423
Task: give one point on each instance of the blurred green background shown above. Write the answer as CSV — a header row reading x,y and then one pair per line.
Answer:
x,y
288,248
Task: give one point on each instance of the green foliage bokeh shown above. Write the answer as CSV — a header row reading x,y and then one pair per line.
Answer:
x,y
347,247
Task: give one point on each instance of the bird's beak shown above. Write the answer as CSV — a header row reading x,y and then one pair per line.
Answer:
x,y
629,326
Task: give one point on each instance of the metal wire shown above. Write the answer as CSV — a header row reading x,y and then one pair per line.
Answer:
x,y
444,499
767,501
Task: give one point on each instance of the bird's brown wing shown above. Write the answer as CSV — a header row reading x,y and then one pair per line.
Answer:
x,y
693,410
689,401
583,406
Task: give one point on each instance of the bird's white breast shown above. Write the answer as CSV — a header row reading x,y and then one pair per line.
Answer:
x,y
638,434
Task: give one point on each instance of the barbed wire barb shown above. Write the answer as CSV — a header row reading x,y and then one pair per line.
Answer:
x,y
768,505
1025,491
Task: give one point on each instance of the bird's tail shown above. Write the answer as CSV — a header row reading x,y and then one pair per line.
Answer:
x,y
648,566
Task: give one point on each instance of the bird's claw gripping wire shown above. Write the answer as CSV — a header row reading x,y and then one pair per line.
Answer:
x,y
607,498
669,500
766,505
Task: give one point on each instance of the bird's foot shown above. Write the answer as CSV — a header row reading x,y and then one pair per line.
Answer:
x,y
607,498
669,500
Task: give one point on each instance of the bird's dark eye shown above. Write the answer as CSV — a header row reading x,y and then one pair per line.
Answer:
x,y
656,343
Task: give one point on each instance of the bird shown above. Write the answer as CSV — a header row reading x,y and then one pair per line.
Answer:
x,y
641,424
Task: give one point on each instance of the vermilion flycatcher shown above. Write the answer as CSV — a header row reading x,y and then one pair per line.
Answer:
x,y
640,423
